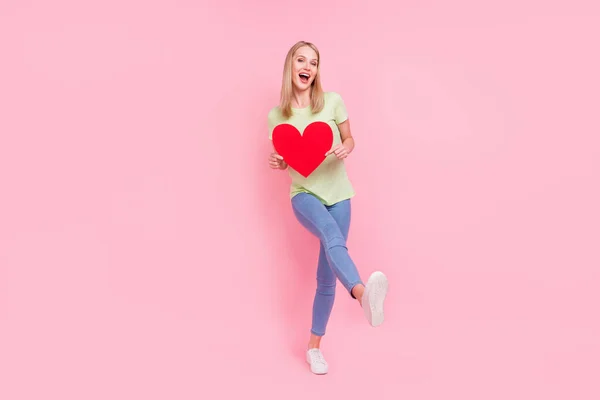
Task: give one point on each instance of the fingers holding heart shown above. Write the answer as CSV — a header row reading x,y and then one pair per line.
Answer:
x,y
275,161
340,151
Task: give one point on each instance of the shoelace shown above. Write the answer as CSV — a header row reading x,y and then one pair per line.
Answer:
x,y
317,357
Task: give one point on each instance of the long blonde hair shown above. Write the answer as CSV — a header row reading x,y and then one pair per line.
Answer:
x,y
287,89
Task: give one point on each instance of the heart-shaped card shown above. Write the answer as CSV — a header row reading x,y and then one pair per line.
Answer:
x,y
303,152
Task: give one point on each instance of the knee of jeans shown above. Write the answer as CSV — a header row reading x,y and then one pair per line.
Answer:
x,y
337,241
332,236
326,287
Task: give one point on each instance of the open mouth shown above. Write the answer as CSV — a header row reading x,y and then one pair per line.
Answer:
x,y
304,77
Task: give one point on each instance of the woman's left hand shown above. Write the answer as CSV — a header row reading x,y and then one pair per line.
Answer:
x,y
340,151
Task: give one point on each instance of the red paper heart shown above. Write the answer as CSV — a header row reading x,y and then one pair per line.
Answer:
x,y
303,152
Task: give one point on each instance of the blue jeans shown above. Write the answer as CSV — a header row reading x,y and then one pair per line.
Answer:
x,y
331,225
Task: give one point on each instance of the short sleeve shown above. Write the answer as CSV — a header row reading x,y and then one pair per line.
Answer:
x,y
341,114
271,122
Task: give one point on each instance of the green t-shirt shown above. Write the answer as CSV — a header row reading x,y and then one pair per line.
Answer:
x,y
329,182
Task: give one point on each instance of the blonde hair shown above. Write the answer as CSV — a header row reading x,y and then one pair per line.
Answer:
x,y
287,89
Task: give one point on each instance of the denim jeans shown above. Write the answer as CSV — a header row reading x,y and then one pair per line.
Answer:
x,y
331,225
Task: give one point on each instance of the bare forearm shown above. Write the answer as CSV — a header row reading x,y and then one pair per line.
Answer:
x,y
349,144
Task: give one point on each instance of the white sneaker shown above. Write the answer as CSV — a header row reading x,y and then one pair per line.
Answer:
x,y
317,362
373,298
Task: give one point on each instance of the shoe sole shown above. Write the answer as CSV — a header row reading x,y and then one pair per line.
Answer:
x,y
375,293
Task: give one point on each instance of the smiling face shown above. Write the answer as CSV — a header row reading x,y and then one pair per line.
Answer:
x,y
301,80
305,65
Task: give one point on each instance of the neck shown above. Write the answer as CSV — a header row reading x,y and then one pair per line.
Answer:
x,y
301,99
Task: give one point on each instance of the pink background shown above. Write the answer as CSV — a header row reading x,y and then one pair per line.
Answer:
x,y
144,241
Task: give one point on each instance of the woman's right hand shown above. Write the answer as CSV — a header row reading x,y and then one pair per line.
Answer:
x,y
276,161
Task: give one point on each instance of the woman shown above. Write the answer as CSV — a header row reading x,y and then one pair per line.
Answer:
x,y
321,201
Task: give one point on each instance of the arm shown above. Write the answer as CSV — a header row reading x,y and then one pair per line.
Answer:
x,y
346,134
276,161
343,149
